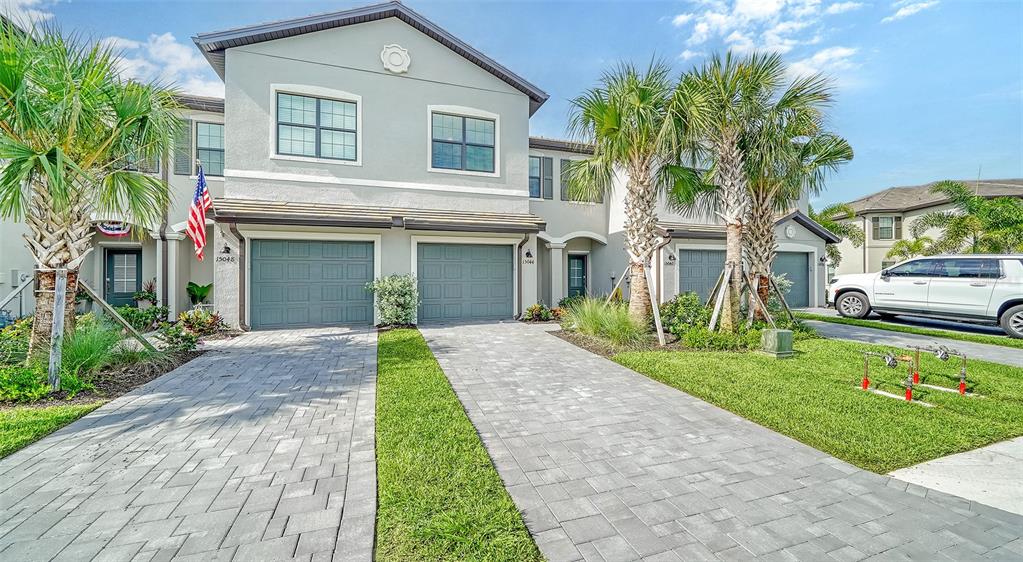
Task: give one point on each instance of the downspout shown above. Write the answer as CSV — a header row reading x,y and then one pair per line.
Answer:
x,y
518,256
666,239
164,260
241,276
866,241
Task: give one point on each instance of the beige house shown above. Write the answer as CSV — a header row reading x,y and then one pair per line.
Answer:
x,y
887,216
369,142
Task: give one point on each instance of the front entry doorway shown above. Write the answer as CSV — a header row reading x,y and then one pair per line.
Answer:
x,y
576,275
123,276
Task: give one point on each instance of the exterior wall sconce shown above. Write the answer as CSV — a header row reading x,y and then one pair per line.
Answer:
x,y
529,253
671,258
226,250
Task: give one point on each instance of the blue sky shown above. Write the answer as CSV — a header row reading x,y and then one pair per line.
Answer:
x,y
926,89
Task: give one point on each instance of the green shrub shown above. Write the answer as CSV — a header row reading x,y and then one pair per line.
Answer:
x,y
23,383
684,312
610,322
569,301
177,338
538,313
14,342
201,322
198,293
397,299
85,352
700,338
143,319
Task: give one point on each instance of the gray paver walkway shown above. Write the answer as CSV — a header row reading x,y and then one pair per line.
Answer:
x,y
262,449
607,464
995,353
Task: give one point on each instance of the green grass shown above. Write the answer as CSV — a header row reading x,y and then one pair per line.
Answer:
x,y
439,496
23,425
1003,341
814,398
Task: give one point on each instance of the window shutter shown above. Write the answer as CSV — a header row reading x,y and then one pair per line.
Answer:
x,y
898,228
183,148
876,228
548,177
564,179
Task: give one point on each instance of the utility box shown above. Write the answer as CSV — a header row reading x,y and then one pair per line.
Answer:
x,y
777,343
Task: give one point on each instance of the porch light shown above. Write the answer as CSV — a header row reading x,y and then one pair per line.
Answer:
x,y
226,250
529,253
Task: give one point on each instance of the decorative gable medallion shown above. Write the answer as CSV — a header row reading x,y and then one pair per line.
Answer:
x,y
395,58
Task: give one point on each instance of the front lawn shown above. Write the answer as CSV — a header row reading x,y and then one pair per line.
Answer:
x,y
439,496
989,339
815,398
21,426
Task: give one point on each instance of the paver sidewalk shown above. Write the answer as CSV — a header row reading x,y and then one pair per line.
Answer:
x,y
607,464
262,449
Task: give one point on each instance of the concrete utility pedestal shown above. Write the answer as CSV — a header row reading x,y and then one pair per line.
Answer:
x,y
777,343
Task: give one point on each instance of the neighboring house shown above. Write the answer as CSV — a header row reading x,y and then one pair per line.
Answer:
x,y
887,216
371,142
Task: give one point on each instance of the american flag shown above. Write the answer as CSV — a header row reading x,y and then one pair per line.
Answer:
x,y
196,227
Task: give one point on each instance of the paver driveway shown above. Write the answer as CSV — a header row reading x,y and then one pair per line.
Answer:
x,y
608,464
260,449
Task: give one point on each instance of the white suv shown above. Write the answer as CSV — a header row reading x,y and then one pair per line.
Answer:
x,y
982,289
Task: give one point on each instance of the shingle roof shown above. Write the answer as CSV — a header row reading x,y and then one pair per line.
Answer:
x,y
717,231
559,144
201,103
898,199
213,44
246,211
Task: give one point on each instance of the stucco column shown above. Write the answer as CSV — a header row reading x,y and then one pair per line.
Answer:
x,y
225,275
557,273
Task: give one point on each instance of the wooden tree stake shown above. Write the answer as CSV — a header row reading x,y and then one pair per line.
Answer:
x,y
656,308
720,300
113,313
57,329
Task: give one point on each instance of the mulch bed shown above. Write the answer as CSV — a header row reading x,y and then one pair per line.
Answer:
x,y
112,383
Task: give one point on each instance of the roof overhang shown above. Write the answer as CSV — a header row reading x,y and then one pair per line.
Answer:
x,y
213,44
717,232
284,213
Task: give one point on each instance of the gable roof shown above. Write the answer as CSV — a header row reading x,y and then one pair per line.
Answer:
x,y
213,44
542,143
717,231
908,198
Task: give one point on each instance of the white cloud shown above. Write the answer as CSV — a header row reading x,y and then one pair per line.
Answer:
x,y
749,25
758,9
163,58
908,9
26,13
681,19
843,7
831,60
687,54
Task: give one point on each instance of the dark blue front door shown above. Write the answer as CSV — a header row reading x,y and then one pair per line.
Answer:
x,y
123,276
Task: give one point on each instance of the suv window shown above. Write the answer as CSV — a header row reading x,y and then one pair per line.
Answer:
x,y
918,268
968,268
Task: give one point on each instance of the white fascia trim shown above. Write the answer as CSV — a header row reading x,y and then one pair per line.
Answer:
x,y
575,234
319,92
180,226
255,234
331,180
490,240
464,112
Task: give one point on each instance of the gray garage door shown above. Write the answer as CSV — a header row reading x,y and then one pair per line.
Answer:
x,y
464,282
796,267
698,271
299,283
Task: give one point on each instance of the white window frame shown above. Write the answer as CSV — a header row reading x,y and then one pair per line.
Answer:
x,y
463,111
880,227
193,145
318,92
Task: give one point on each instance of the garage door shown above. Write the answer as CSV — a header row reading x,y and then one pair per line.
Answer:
x,y
698,271
299,283
796,267
464,282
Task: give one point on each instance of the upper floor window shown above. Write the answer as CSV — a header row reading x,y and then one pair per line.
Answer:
x,y
541,177
462,143
565,196
316,127
209,147
887,228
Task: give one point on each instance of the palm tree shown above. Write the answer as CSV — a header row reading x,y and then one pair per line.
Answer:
x,y
832,218
975,224
905,249
626,120
71,132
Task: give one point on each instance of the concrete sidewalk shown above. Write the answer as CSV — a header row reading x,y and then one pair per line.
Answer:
x,y
991,475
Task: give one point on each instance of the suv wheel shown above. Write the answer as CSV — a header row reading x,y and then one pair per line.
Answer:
x,y
853,305
1012,321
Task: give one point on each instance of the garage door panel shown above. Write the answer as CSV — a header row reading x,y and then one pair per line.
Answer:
x,y
310,283
475,281
699,271
796,268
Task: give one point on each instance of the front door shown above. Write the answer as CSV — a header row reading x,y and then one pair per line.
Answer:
x,y
123,276
905,287
576,276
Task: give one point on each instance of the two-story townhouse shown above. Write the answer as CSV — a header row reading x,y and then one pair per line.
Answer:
x,y
370,142
126,256
888,216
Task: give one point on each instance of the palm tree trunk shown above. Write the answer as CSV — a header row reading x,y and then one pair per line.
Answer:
x,y
731,177
640,225
760,243
42,322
